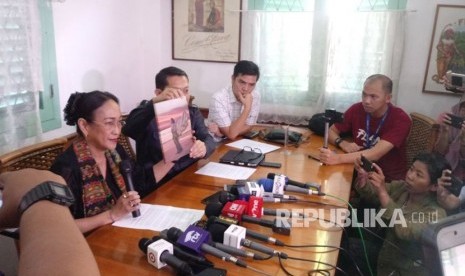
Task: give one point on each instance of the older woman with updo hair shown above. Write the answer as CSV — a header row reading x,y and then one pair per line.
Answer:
x,y
90,165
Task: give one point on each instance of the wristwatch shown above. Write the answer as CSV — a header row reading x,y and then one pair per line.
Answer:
x,y
48,190
338,141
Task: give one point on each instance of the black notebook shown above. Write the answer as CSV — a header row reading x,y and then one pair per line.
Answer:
x,y
242,158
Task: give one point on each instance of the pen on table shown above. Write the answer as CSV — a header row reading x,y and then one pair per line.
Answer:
x,y
314,158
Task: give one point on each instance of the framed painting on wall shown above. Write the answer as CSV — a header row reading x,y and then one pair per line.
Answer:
x,y
206,30
447,48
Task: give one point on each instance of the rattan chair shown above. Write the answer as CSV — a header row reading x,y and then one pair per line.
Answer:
x,y
38,156
422,136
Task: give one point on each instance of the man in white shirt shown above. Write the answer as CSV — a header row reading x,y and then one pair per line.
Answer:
x,y
234,109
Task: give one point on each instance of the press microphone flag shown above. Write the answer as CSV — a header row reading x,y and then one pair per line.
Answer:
x,y
160,253
252,234
197,239
269,184
233,235
183,254
296,183
236,210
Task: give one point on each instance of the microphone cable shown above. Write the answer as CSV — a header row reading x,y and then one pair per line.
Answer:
x,y
375,235
319,202
352,260
258,270
332,267
334,248
394,246
359,231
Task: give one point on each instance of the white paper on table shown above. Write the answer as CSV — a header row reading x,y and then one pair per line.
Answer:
x,y
160,217
264,147
225,171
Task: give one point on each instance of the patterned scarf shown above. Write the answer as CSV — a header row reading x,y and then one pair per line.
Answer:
x,y
97,197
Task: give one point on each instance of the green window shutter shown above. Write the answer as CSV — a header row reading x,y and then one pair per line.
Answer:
x,y
48,99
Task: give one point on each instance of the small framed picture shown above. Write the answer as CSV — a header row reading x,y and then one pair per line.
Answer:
x,y
447,48
206,30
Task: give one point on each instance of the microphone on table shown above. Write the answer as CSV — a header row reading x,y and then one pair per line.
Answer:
x,y
252,188
271,185
235,211
267,196
234,250
255,204
234,235
197,239
279,196
224,247
126,169
160,253
237,208
296,183
249,233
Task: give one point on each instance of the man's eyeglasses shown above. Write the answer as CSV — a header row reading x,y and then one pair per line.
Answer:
x,y
110,125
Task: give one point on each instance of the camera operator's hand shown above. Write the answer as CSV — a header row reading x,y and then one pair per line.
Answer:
x,y
444,119
449,87
378,181
362,175
15,185
445,198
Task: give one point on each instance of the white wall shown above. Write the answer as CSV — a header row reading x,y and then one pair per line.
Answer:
x,y
418,40
119,45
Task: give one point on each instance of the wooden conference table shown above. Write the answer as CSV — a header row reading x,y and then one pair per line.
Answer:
x,y
116,249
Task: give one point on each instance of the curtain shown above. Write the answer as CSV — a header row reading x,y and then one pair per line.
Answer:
x,y
20,73
315,59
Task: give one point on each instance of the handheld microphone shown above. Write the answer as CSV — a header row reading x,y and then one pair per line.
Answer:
x,y
296,183
268,186
160,253
233,236
197,239
255,235
126,169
